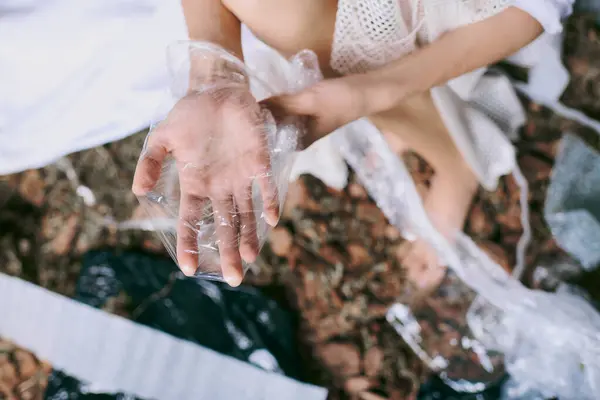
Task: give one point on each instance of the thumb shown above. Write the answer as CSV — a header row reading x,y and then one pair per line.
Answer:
x,y
297,104
303,104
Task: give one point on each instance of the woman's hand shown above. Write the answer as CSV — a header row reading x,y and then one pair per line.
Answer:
x,y
332,103
218,141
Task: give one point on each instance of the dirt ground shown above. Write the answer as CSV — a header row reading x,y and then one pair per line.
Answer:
x,y
333,258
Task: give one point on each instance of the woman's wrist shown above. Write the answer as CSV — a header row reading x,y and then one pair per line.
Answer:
x,y
212,65
452,55
387,87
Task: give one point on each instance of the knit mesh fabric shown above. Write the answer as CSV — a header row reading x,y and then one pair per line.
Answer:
x,y
371,33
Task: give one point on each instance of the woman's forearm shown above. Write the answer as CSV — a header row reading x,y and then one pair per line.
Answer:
x,y
454,54
211,21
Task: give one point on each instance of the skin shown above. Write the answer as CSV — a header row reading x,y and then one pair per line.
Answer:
x,y
395,97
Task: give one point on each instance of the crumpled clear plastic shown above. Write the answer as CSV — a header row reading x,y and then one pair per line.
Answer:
x,y
550,341
572,207
437,328
192,193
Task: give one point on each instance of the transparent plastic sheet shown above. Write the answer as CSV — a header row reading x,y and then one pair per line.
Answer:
x,y
437,329
551,344
572,207
218,189
550,341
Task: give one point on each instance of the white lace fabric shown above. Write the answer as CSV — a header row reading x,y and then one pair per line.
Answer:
x,y
372,33
442,15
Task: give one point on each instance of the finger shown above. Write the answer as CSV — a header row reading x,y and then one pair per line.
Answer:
x,y
227,229
148,169
301,103
276,105
248,236
328,105
190,213
270,198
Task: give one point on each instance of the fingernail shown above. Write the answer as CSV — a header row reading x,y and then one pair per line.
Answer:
x,y
248,254
271,220
188,270
233,280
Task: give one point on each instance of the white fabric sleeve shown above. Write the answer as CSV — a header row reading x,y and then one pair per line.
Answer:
x,y
548,12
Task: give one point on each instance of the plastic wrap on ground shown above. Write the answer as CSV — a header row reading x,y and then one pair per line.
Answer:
x,y
462,362
218,166
551,344
550,340
572,207
437,330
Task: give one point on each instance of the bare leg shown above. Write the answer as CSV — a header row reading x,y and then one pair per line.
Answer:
x,y
417,126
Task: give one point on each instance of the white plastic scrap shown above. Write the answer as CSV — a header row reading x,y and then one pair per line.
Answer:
x,y
572,207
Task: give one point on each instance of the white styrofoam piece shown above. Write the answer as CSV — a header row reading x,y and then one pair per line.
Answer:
x,y
113,354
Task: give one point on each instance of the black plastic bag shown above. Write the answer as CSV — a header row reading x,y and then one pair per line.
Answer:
x,y
64,387
238,322
436,389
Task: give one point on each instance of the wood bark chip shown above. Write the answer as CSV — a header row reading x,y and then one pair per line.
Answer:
x,y
342,358
373,361
32,187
